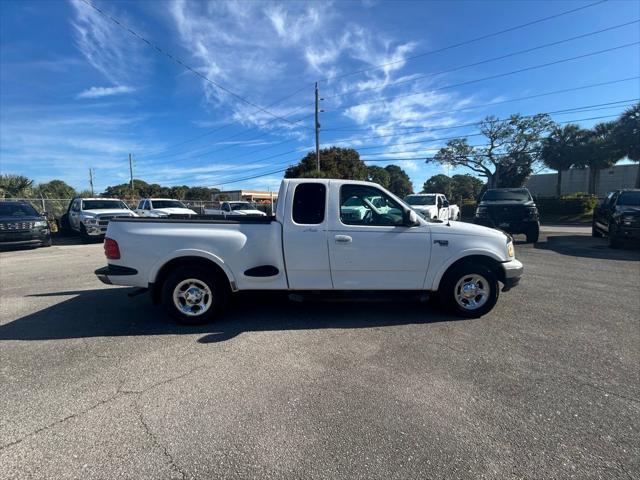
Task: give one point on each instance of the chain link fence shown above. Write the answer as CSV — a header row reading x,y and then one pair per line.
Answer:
x,y
54,208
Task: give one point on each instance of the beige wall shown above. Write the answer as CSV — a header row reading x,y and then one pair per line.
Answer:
x,y
577,180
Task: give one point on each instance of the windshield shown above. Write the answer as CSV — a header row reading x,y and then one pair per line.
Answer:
x,y
17,210
421,199
103,204
167,204
516,195
242,206
629,198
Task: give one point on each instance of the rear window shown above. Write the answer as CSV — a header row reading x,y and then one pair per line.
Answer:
x,y
309,202
514,195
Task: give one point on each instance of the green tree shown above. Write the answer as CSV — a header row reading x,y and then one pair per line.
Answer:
x,y
599,151
15,186
437,184
199,193
562,150
513,147
465,187
178,192
378,175
335,162
399,181
55,189
626,136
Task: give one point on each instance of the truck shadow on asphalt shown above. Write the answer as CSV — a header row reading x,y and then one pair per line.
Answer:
x,y
111,313
588,247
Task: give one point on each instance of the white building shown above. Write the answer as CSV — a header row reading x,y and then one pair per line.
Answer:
x,y
576,180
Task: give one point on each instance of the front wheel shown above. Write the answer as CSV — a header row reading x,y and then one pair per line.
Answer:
x,y
469,290
594,231
194,295
533,234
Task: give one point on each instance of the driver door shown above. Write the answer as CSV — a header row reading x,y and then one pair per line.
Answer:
x,y
373,249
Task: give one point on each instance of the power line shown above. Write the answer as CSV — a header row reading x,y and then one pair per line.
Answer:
x,y
236,180
482,62
467,42
184,65
500,102
499,75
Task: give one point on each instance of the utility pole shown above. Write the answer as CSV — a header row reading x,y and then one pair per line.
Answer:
x,y
317,130
91,180
131,174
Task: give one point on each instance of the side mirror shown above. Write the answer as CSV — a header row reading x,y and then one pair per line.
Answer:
x,y
411,219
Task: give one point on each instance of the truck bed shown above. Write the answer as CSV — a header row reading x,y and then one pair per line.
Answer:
x,y
223,219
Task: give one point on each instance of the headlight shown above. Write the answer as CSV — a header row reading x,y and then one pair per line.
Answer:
x,y
40,223
627,219
481,212
532,211
510,250
91,221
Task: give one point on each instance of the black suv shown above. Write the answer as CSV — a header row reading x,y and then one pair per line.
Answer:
x,y
22,225
618,217
511,210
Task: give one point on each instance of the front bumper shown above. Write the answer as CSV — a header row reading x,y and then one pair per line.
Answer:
x,y
23,239
95,230
513,271
104,273
510,226
625,232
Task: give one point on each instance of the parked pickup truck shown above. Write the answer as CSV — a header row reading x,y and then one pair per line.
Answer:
x,y
511,210
90,216
235,208
618,217
192,265
433,206
162,207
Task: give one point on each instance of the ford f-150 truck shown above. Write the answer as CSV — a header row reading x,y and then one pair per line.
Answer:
x,y
235,208
313,243
434,206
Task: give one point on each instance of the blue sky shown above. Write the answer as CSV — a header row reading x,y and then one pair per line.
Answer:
x,y
77,91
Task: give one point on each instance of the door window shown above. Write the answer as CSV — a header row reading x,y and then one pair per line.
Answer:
x,y
364,205
147,205
76,206
309,203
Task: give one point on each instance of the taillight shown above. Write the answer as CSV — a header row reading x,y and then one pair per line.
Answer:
x,y
111,249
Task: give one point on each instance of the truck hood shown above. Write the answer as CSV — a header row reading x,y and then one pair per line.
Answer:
x,y
628,209
500,203
464,228
20,219
423,208
109,211
174,211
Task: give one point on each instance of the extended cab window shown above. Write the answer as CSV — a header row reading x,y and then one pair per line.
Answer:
x,y
309,202
364,205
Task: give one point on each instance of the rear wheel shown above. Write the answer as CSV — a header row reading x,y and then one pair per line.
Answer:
x,y
194,295
469,290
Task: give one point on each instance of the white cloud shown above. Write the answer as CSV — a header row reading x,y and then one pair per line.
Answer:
x,y
98,92
108,48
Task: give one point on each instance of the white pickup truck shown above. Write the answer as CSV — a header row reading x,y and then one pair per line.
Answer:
x,y
313,243
433,206
162,207
235,208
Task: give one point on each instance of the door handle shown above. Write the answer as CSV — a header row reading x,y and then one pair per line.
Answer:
x,y
343,239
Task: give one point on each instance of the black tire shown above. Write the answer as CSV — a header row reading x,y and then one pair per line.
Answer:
x,y
594,231
84,236
614,241
64,224
449,289
47,243
533,234
218,287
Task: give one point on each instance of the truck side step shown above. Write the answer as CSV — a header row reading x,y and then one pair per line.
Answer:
x,y
137,291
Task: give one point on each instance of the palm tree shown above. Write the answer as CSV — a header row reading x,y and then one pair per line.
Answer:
x,y
15,186
626,134
598,152
561,150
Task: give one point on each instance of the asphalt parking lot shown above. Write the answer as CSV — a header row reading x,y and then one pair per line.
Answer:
x,y
94,384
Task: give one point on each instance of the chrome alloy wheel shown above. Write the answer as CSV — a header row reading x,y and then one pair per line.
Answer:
x,y
192,297
472,291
